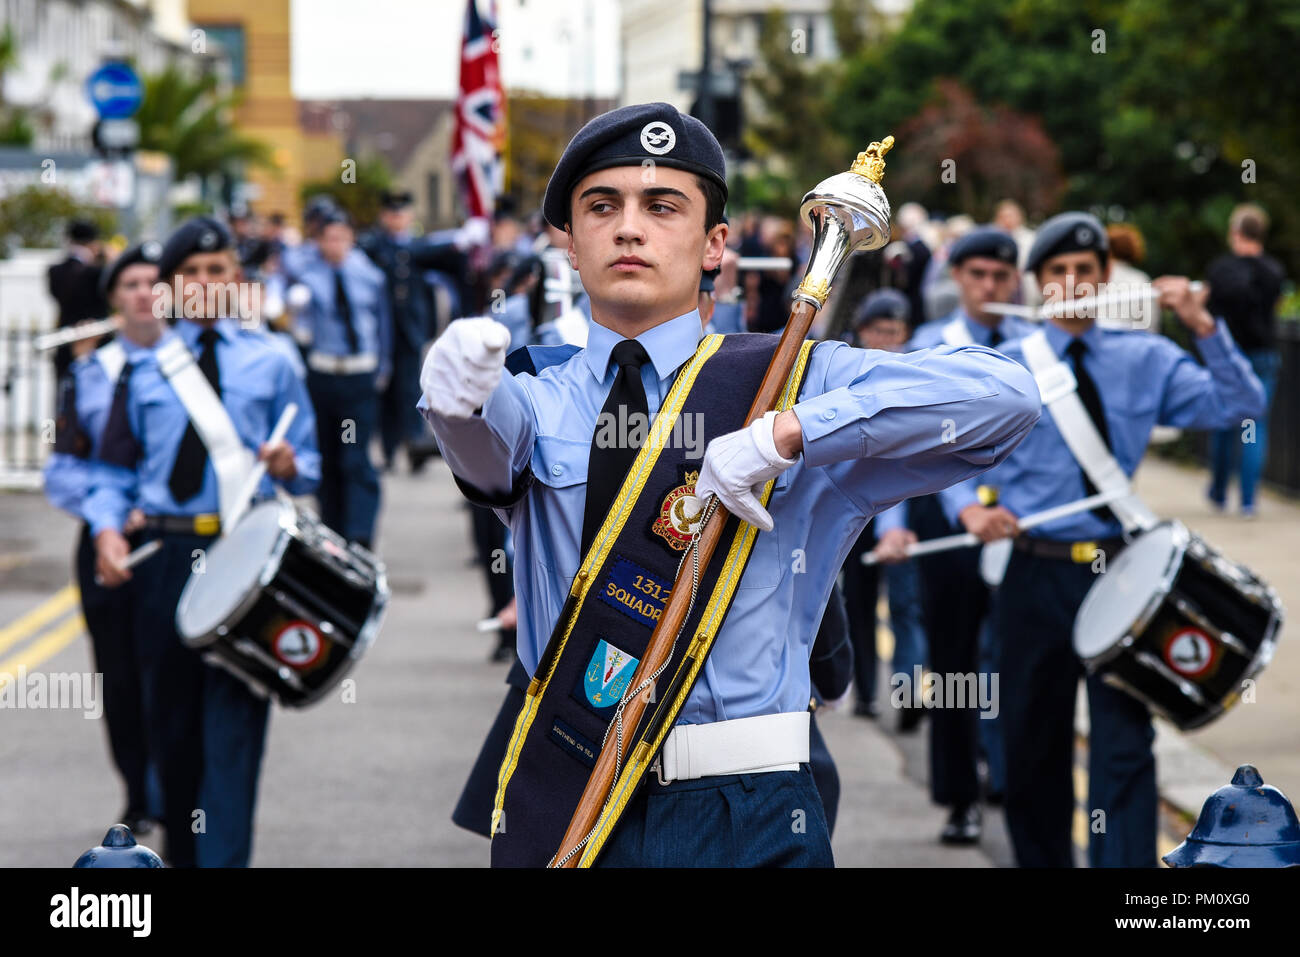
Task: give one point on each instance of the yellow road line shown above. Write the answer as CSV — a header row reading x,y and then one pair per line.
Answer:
x,y
47,647
40,616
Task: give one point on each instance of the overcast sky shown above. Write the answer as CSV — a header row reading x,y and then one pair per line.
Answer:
x,y
411,48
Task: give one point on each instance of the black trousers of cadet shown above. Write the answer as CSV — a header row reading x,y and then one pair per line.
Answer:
x,y
349,484
861,593
108,613
1034,617
954,601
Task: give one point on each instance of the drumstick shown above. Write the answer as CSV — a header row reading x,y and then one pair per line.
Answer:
x,y
966,539
488,624
136,557
259,470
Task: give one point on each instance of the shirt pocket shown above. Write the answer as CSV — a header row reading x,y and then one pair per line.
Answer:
x,y
560,462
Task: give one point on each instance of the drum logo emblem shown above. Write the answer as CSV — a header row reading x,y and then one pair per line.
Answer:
x,y
1189,652
298,645
680,514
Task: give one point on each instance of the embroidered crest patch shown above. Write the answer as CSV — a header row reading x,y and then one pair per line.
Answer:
x,y
607,675
680,514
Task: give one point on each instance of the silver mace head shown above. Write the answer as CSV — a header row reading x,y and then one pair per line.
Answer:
x,y
847,212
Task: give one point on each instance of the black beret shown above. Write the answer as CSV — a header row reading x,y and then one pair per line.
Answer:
x,y
82,231
394,199
882,304
986,242
628,137
317,207
334,215
202,234
1068,233
148,252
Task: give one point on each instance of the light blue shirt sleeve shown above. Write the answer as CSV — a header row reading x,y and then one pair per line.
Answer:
x,y
490,450
1218,395
66,481
937,415
112,490
290,387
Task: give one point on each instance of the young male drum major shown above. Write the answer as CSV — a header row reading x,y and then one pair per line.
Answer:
x,y
204,725
1128,382
526,444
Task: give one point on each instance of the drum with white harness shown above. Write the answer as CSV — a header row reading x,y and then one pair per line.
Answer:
x,y
1177,625
284,603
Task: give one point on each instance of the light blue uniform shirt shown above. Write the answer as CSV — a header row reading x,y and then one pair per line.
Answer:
x,y
368,296
1144,380
928,335
67,477
872,424
256,385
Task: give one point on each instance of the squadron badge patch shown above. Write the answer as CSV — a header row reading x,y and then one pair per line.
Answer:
x,y
607,675
680,514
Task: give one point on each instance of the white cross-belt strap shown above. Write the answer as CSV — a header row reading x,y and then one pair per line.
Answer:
x,y
230,458
113,358
1058,388
766,742
955,333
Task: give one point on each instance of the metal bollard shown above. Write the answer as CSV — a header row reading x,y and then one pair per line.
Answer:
x,y
119,850
1246,824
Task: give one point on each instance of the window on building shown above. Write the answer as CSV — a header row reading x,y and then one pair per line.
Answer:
x,y
230,38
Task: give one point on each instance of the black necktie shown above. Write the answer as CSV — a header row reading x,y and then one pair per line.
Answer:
x,y
344,308
1091,399
609,462
192,459
118,446
996,339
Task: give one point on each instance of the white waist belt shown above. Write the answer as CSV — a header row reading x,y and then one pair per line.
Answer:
x,y
766,742
342,365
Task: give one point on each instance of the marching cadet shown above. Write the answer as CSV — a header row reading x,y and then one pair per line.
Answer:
x,y
1125,383
127,285
404,258
541,449
349,362
954,597
206,728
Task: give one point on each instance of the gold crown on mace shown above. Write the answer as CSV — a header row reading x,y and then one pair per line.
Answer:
x,y
871,161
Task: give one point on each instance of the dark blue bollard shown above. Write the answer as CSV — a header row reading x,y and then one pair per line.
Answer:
x,y
1246,824
119,850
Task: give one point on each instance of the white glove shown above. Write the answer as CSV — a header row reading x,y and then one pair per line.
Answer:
x,y
477,231
464,366
737,465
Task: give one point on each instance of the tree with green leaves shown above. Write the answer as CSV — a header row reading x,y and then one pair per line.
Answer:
x,y
191,120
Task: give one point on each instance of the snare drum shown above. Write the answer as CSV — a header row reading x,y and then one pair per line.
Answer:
x,y
1177,625
284,603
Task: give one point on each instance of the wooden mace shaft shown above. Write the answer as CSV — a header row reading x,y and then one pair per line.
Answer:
x,y
673,618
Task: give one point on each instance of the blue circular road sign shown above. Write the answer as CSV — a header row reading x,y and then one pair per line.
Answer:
x,y
115,90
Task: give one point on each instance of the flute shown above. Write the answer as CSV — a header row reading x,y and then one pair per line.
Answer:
x,y
52,340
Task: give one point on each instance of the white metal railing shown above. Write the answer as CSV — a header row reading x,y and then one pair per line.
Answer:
x,y
27,380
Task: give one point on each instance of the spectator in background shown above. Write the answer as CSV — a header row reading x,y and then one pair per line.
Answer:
x,y
912,220
1009,216
767,305
1245,285
1127,250
74,284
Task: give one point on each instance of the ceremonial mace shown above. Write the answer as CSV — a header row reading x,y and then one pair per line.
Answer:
x,y
847,212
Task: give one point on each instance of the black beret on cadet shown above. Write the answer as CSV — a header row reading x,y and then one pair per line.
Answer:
x,y
1068,233
986,242
147,252
391,199
882,304
202,234
628,137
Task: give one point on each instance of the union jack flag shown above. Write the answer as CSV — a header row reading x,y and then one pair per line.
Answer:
x,y
479,138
